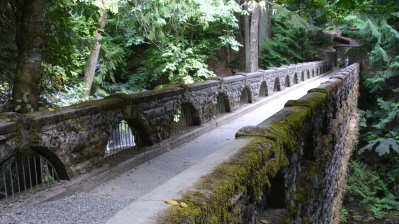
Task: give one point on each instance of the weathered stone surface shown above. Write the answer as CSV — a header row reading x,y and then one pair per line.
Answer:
x,y
297,161
78,135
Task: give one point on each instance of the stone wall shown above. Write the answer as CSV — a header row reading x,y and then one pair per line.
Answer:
x,y
74,138
296,161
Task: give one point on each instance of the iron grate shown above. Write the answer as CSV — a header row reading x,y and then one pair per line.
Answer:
x,y
182,121
123,139
22,172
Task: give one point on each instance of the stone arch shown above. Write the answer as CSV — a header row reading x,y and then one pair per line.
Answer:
x,y
277,86
308,74
276,194
184,116
245,95
127,134
140,130
263,91
28,169
54,160
287,81
222,104
122,138
196,120
303,76
296,81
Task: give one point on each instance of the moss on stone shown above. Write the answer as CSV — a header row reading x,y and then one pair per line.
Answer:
x,y
256,163
314,101
209,202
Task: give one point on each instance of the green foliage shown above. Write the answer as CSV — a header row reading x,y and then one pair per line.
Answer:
x,y
295,40
380,37
382,146
184,35
316,12
368,186
8,52
343,214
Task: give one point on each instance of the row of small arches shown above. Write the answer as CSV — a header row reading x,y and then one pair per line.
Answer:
x,y
20,172
130,134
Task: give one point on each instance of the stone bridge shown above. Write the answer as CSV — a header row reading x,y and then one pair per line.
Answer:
x,y
292,165
74,138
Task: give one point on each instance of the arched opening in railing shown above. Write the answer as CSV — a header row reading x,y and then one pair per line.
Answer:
x,y
287,81
185,117
124,137
276,194
308,74
221,104
277,86
245,96
25,171
296,81
303,76
263,90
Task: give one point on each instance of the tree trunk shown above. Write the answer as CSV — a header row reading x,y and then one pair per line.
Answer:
x,y
247,44
264,23
95,52
254,40
30,39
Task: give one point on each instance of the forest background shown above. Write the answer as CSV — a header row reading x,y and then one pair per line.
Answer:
x,y
59,52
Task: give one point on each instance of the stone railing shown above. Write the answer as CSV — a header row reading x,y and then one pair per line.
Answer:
x,y
295,160
74,138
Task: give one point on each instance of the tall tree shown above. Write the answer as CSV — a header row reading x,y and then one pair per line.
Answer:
x,y
247,43
264,21
254,39
30,40
95,52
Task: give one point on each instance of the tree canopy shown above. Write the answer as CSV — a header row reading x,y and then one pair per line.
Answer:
x,y
46,47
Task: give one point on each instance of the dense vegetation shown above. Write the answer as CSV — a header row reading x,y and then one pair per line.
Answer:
x,y
132,45
373,183
137,44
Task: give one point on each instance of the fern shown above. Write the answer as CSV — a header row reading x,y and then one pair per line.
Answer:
x,y
368,185
370,28
295,40
379,56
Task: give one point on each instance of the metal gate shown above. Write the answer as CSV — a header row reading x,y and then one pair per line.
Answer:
x,y
21,172
122,139
182,120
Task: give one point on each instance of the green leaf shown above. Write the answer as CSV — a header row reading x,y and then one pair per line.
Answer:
x,y
25,97
383,146
18,107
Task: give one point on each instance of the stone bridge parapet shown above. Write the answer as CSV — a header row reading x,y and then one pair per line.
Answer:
x,y
75,137
294,162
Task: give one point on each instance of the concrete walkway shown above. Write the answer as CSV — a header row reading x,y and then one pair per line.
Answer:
x,y
166,176
134,194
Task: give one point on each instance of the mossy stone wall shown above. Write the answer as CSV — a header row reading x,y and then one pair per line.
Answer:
x,y
77,135
295,161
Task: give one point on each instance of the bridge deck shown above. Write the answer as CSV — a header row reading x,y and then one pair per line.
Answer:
x,y
128,191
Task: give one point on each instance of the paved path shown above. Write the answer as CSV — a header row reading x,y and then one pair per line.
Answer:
x,y
101,203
